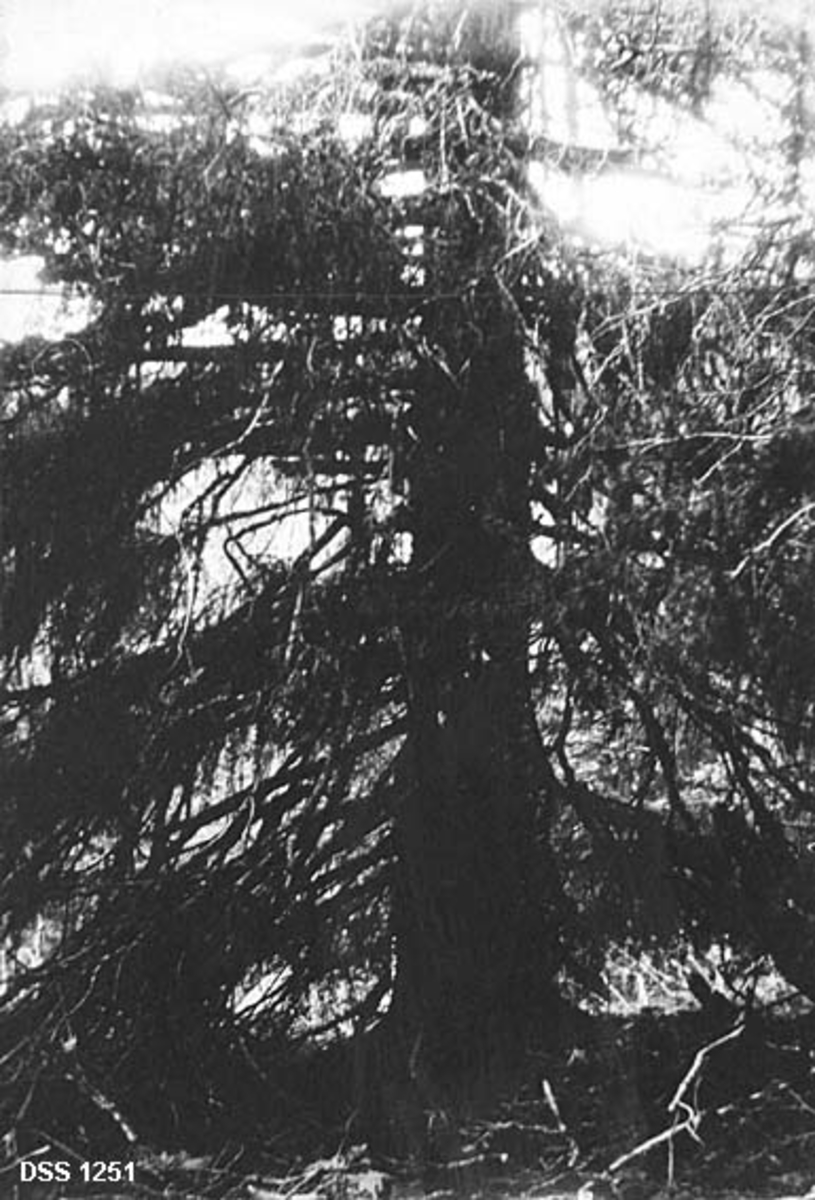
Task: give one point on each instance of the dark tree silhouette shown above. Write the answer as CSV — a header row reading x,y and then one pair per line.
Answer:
x,y
221,758
298,735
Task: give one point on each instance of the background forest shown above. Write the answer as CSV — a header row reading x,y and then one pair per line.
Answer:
x,y
406,608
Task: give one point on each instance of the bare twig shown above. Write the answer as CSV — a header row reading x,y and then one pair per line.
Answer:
x,y
692,1118
697,1064
649,1144
772,538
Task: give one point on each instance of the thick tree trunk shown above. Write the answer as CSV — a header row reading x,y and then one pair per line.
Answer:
x,y
476,914
477,905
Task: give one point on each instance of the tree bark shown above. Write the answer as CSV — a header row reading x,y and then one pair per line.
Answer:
x,y
476,912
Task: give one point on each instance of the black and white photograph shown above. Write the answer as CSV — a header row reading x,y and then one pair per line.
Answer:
x,y
407,599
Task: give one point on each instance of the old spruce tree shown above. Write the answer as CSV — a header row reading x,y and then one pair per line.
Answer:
x,y
314,779
267,581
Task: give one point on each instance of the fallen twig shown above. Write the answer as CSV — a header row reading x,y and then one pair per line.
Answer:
x,y
696,1066
651,1143
693,1115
